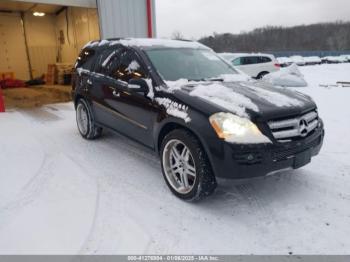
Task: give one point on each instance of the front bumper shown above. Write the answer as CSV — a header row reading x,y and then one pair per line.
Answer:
x,y
232,161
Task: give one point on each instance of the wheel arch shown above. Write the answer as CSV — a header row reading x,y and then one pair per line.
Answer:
x,y
76,99
170,126
262,73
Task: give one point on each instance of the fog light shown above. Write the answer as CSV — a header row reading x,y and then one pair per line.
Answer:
x,y
250,157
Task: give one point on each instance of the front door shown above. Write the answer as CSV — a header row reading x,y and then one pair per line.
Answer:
x,y
129,112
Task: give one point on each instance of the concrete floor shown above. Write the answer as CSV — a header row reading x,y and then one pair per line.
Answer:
x,y
34,96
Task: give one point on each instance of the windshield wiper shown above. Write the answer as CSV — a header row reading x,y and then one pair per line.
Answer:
x,y
220,79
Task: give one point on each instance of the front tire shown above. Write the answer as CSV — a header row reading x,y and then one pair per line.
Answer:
x,y
85,121
185,165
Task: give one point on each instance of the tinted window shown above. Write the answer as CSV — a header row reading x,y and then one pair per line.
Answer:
x,y
126,66
84,59
193,64
108,60
264,59
249,60
237,61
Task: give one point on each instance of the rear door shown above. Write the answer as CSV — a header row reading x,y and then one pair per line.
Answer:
x,y
268,64
249,65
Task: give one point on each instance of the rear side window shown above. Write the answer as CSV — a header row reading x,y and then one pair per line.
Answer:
x,y
264,59
249,60
84,59
107,60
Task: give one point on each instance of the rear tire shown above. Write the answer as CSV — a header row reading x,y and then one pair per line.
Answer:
x,y
191,163
261,75
85,121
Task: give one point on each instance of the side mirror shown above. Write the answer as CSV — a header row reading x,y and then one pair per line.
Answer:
x,y
138,85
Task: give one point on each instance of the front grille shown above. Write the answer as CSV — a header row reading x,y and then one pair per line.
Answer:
x,y
300,126
282,154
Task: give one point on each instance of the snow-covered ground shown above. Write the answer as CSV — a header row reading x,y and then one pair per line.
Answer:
x,y
60,194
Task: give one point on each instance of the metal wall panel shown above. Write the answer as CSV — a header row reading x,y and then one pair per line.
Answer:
x,y
124,18
13,56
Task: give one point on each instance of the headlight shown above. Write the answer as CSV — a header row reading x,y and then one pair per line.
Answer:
x,y
236,129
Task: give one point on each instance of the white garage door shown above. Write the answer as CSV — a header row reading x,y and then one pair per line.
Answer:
x,y
12,47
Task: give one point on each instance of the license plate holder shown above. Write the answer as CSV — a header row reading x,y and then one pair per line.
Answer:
x,y
302,159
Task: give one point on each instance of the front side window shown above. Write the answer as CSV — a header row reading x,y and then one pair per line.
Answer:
x,y
127,67
237,62
186,63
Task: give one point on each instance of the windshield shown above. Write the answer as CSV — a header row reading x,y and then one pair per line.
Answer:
x,y
192,64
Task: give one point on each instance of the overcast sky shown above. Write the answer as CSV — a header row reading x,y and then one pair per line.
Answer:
x,y
197,18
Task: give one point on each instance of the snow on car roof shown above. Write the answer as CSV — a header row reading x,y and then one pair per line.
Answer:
x,y
148,42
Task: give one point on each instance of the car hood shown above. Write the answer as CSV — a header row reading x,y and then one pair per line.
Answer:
x,y
256,100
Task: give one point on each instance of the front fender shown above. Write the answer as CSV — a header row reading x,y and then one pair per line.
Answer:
x,y
199,126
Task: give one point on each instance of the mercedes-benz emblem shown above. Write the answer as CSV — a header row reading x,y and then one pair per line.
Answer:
x,y
303,127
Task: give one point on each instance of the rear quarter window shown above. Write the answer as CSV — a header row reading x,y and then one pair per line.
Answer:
x,y
85,59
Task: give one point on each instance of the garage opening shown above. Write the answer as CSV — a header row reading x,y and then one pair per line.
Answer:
x,y
38,47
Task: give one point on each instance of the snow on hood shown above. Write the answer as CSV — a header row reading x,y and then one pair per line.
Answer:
x,y
225,97
178,84
238,97
272,97
235,77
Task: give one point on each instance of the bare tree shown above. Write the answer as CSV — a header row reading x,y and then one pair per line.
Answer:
x,y
177,35
316,37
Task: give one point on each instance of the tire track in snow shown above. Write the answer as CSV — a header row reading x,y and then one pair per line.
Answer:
x,y
111,221
99,231
87,242
28,193
247,192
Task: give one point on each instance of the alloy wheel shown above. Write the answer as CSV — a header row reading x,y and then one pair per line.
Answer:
x,y
82,119
179,166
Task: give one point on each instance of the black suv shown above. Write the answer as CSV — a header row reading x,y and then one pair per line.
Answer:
x,y
205,120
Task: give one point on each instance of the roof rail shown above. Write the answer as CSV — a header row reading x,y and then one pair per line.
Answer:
x,y
184,40
115,38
